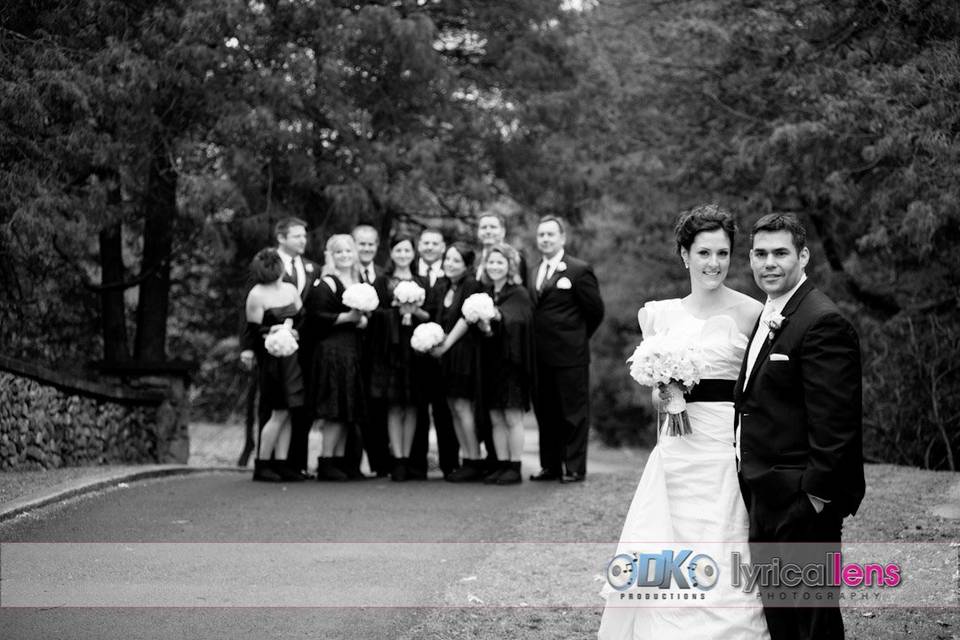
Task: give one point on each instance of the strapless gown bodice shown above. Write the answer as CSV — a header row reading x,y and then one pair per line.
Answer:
x,y
719,337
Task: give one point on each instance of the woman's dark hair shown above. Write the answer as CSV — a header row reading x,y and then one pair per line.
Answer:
x,y
704,217
397,239
466,252
266,266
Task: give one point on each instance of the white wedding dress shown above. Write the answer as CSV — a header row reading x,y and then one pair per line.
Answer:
x,y
689,494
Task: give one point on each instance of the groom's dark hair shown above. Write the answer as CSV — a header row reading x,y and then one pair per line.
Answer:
x,y
782,222
704,217
282,228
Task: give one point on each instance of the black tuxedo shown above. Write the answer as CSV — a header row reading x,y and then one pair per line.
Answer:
x,y
567,311
301,419
800,417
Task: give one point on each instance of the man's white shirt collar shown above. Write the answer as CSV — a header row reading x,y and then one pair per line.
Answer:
x,y
554,261
777,304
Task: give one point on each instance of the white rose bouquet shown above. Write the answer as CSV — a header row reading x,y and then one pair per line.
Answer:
x,y
672,366
427,336
281,342
361,296
479,309
410,295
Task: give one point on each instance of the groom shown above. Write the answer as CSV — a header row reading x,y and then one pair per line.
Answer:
x,y
799,422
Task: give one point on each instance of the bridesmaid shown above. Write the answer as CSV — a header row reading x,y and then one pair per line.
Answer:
x,y
507,362
269,304
394,360
458,353
338,385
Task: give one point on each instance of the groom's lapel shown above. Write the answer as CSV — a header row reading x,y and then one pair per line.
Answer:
x,y
792,304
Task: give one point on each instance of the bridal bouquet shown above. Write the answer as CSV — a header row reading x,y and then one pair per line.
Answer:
x,y
361,296
672,366
280,342
406,293
427,336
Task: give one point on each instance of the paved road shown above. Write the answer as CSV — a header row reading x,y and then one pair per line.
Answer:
x,y
196,556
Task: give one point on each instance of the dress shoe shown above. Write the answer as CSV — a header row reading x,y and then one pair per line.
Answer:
x,y
545,475
573,477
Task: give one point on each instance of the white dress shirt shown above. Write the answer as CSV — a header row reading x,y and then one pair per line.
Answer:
x,y
369,273
548,267
294,264
431,271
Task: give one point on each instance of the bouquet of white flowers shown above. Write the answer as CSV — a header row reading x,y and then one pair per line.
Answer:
x,y
672,366
361,296
479,307
427,336
408,293
280,342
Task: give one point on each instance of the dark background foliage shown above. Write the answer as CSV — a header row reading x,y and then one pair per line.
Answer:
x,y
147,147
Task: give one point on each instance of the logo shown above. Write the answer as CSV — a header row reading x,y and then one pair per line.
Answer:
x,y
683,568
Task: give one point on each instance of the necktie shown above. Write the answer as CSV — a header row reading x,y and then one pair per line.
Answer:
x,y
542,275
294,276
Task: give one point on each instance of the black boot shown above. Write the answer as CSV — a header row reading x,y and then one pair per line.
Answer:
x,y
266,471
471,471
491,478
511,474
401,469
351,470
289,471
327,471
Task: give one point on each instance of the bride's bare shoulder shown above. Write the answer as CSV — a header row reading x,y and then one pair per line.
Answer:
x,y
745,311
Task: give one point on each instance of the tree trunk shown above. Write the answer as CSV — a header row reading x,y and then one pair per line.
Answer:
x,y
160,210
113,321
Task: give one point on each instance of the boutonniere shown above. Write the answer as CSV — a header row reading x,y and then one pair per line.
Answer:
x,y
308,268
316,282
775,323
562,266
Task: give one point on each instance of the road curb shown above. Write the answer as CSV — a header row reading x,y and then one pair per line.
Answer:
x,y
66,491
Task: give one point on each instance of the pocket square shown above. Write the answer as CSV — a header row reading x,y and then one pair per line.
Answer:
x,y
564,283
779,357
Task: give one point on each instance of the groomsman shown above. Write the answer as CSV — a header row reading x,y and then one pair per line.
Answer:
x,y
491,231
367,240
431,246
373,430
291,238
799,426
567,311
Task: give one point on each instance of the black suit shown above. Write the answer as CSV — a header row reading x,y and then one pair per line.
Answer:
x,y
372,435
301,419
567,311
800,418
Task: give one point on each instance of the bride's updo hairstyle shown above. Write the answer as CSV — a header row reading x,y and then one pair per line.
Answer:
x,y
266,266
703,217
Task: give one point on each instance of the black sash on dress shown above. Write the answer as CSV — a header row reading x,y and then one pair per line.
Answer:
x,y
712,390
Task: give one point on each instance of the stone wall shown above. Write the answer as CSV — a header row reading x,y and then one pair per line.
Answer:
x,y
49,419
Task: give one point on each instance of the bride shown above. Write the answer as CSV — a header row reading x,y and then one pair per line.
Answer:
x,y
689,493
